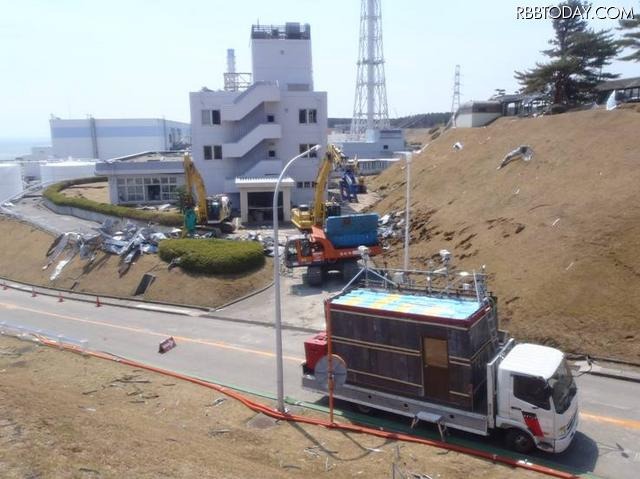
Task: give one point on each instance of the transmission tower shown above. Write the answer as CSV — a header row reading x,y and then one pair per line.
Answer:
x,y
455,101
370,111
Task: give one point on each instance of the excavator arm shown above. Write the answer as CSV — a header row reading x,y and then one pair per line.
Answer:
x,y
195,187
333,158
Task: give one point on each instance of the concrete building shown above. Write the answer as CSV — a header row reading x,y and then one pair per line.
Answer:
x,y
477,113
143,178
112,138
377,144
242,137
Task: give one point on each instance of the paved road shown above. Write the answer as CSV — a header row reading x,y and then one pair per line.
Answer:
x,y
241,355
32,210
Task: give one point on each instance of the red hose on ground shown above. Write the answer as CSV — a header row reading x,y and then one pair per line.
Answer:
x,y
274,413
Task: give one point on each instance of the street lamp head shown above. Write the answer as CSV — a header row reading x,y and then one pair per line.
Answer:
x,y
315,148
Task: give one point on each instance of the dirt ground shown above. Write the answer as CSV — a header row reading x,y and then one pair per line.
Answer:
x,y
559,235
65,415
22,256
98,191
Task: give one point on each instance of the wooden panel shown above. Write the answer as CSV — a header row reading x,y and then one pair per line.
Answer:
x,y
436,368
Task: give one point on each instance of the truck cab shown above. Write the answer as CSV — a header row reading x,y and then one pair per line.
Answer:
x,y
536,396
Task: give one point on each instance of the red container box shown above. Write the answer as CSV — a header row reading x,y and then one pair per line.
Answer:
x,y
314,349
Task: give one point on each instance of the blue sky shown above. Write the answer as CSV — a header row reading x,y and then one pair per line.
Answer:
x,y
140,58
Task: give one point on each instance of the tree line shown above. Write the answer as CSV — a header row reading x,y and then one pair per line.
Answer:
x,y
578,55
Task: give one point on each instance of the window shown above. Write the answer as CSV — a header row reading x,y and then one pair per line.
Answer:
x,y
385,147
271,118
304,147
210,117
299,185
217,152
308,115
206,117
531,390
272,153
208,152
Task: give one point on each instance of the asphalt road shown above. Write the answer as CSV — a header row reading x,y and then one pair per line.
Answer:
x,y
241,355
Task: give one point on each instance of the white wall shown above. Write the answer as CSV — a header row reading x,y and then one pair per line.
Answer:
x,y
284,61
115,137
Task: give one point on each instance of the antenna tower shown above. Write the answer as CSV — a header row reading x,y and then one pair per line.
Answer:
x,y
455,101
370,111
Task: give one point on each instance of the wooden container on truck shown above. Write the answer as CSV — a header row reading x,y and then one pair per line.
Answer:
x,y
417,345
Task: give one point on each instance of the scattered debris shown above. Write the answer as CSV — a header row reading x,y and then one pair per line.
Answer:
x,y
167,345
146,281
555,222
218,401
524,152
458,146
215,432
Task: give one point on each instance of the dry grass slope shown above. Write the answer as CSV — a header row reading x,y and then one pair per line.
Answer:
x,y
559,234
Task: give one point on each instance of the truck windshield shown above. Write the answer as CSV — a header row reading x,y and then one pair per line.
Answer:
x,y
563,387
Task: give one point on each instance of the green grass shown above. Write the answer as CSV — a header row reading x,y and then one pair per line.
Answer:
x,y
54,193
213,256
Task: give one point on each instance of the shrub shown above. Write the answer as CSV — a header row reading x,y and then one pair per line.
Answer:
x,y
213,256
54,194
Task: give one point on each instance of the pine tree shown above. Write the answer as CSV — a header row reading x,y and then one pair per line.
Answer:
x,y
631,38
577,57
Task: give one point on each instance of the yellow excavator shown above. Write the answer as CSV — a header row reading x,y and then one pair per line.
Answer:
x,y
211,211
305,217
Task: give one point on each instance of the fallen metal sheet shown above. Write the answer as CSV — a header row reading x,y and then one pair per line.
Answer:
x,y
524,152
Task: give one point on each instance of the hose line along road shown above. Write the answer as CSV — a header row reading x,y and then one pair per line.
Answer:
x,y
242,355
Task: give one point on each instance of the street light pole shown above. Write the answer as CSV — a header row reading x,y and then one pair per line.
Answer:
x,y
407,218
276,282
408,158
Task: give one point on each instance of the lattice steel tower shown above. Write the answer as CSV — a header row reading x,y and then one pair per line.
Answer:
x,y
370,111
455,101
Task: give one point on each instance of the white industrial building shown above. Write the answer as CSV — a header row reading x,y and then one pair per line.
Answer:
x,y
477,113
112,138
149,177
243,136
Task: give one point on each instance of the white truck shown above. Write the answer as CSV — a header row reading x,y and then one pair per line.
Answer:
x,y
410,351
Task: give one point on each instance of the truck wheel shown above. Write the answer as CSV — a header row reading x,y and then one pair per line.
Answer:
x,y
227,227
349,270
519,441
314,276
364,409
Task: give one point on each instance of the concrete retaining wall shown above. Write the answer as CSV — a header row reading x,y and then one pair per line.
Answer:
x,y
97,217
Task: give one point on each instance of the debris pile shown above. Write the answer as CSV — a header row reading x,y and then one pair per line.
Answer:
x,y
268,243
390,226
127,242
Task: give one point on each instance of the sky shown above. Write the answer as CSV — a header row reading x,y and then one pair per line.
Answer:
x,y
141,58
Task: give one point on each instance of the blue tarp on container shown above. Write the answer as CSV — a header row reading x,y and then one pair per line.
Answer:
x,y
451,308
353,230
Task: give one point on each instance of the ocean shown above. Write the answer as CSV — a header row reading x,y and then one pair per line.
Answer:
x,y
12,147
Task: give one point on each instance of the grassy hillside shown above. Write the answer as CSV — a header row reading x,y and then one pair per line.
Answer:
x,y
560,234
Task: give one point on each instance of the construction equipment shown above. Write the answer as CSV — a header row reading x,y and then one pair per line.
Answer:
x,y
304,217
427,345
336,247
211,211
